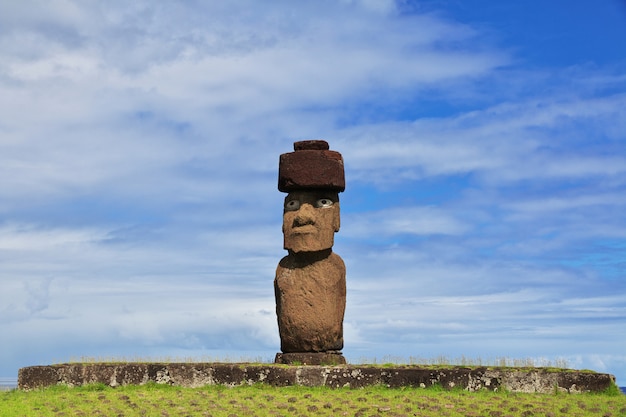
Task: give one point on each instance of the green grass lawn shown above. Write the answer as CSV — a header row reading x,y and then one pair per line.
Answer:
x,y
262,400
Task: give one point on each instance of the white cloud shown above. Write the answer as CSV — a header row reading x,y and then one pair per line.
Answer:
x,y
529,140
403,221
88,115
25,237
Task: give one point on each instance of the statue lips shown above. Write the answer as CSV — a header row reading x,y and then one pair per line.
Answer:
x,y
304,230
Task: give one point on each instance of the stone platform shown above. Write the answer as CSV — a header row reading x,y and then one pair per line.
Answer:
x,y
319,358
538,380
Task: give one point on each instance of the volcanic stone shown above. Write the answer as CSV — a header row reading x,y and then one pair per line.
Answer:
x,y
310,302
311,166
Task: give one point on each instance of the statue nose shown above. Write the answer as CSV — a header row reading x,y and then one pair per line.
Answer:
x,y
305,215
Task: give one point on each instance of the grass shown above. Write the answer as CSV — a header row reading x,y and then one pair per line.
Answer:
x,y
165,359
502,362
266,401
556,365
499,362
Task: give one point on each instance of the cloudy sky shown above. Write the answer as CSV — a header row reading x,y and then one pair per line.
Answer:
x,y
485,153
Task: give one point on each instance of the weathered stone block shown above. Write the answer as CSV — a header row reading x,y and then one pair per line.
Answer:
x,y
200,374
310,358
311,166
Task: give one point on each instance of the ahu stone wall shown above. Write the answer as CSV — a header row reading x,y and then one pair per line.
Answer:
x,y
353,376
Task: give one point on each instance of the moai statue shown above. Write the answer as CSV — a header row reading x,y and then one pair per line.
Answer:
x,y
310,284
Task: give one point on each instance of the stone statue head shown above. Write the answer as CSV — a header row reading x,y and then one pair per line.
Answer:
x,y
313,176
310,220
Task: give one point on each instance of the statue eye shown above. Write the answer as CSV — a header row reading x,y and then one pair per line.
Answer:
x,y
292,205
323,202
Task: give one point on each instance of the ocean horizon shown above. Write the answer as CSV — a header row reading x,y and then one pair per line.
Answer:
x,y
7,383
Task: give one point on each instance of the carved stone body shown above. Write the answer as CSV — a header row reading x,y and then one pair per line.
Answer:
x,y
310,283
310,293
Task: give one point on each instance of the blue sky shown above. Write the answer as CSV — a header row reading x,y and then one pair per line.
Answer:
x,y
485,153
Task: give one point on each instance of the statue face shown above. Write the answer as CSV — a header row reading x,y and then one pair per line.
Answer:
x,y
310,220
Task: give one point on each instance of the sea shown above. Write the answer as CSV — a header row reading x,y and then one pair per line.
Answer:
x,y
7,384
